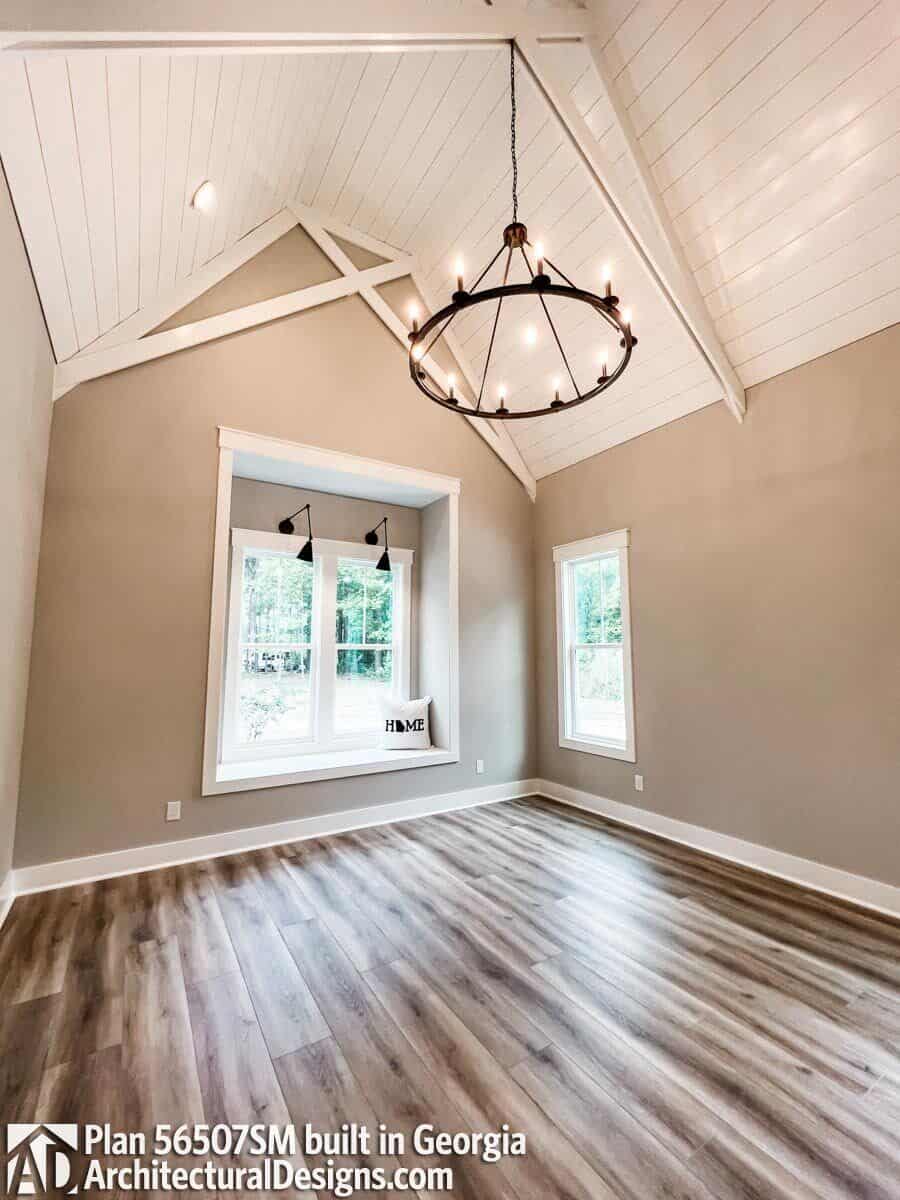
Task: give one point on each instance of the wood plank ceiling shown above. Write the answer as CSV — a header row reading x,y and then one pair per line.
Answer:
x,y
772,130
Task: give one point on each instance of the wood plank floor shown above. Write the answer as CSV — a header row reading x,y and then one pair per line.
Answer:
x,y
659,1024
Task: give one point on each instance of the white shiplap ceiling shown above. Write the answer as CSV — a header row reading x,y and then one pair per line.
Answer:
x,y
772,131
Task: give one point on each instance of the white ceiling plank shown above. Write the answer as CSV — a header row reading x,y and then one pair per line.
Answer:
x,y
90,104
293,116
810,248
657,248
350,74
51,95
182,86
403,86
442,72
223,127
263,196
863,253
855,74
206,97
196,333
123,82
273,66
447,207
633,32
804,216
20,149
238,137
319,77
360,115
199,281
154,108
826,308
858,322
649,98
460,144
680,29
812,174
778,44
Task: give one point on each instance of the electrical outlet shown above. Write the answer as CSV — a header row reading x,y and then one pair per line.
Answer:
x,y
479,766
638,783
173,810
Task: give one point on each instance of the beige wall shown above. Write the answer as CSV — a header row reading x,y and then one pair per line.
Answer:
x,y
765,584
26,364
118,680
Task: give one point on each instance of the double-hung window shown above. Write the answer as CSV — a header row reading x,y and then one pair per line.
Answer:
x,y
312,647
596,703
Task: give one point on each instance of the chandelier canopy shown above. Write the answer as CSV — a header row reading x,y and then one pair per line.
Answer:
x,y
546,285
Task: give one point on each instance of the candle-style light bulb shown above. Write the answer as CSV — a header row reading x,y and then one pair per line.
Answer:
x,y
626,317
413,312
607,279
539,255
417,352
529,337
501,392
556,390
460,273
451,385
604,362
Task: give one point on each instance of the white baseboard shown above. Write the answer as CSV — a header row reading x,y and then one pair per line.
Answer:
x,y
7,895
47,876
869,893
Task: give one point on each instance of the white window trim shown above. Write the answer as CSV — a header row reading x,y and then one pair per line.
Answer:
x,y
618,543
326,552
366,477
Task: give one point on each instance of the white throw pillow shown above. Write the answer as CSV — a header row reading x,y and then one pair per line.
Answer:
x,y
404,724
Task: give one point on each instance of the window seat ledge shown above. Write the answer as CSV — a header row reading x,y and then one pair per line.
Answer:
x,y
336,764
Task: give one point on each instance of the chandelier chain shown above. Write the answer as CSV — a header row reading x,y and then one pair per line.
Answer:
x,y
512,130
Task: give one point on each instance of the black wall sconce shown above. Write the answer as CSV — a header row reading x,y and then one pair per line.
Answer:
x,y
287,526
384,563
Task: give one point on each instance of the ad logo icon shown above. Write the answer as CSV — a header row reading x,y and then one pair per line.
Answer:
x,y
38,1158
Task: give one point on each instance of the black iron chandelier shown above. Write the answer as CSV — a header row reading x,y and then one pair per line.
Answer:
x,y
544,282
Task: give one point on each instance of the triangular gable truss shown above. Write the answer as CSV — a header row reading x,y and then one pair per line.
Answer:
x,y
131,343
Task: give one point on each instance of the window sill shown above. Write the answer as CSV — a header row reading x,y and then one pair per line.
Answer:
x,y
305,768
605,749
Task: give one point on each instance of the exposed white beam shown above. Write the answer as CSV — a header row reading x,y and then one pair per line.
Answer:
x,y
111,25
187,290
306,216
320,227
157,345
654,243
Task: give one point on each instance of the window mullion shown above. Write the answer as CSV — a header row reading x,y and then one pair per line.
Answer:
x,y
325,641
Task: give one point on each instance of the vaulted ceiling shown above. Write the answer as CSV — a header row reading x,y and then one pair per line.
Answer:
x,y
772,133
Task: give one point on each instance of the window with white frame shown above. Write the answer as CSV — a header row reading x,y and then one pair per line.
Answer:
x,y
312,646
596,703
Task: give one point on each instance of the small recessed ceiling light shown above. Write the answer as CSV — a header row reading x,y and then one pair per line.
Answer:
x,y
204,199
